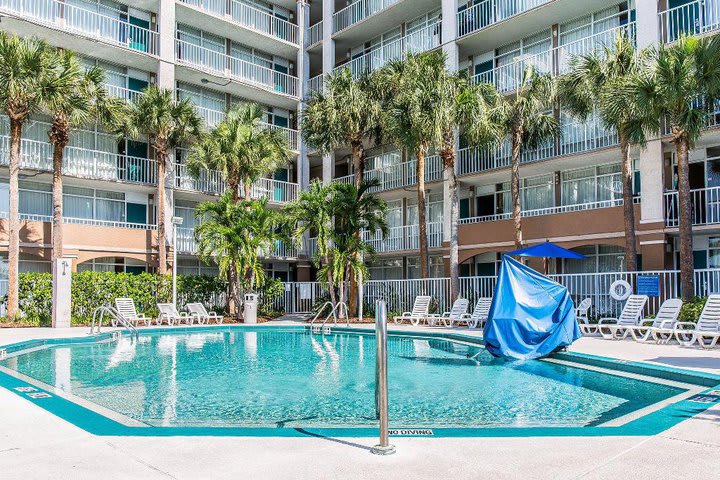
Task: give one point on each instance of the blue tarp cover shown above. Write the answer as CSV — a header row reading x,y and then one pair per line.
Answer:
x,y
530,316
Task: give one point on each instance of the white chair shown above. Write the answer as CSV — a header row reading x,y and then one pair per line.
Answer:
x,y
707,327
419,312
480,313
200,313
126,308
582,313
661,328
169,314
456,313
618,328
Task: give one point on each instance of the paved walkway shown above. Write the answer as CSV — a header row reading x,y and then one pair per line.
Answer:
x,y
35,444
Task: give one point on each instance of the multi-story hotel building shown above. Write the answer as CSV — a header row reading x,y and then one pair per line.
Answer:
x,y
275,52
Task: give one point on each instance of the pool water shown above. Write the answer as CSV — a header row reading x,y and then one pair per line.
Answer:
x,y
292,378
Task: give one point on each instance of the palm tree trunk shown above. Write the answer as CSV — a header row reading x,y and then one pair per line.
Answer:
x,y
422,223
358,158
234,187
233,300
14,220
628,207
247,190
685,217
448,156
57,199
162,248
515,187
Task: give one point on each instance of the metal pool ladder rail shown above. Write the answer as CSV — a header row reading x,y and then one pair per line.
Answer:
x,y
100,313
324,328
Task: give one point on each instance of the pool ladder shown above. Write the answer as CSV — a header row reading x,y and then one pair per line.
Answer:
x,y
336,310
118,318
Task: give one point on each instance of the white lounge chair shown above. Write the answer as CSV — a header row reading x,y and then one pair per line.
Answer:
x,y
582,313
419,312
126,308
480,313
456,313
169,314
200,313
661,328
618,328
707,327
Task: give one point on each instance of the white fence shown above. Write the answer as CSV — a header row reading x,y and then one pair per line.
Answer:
x,y
693,18
299,297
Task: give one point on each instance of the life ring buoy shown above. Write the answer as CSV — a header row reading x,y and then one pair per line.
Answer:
x,y
620,290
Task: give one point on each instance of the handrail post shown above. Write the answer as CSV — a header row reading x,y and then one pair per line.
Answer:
x,y
381,380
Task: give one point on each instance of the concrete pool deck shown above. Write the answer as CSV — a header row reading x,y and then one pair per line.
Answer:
x,y
35,444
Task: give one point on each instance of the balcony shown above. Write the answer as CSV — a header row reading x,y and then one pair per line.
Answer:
x,y
123,93
403,238
212,182
187,244
358,11
83,163
247,17
315,35
419,41
398,174
694,18
315,84
115,30
489,12
93,222
705,204
575,137
507,78
226,66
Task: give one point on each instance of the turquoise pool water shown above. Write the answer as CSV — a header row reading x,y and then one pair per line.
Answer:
x,y
292,378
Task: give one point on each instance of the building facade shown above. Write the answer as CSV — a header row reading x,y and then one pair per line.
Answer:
x,y
216,52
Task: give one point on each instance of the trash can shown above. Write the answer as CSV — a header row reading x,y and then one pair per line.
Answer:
x,y
250,310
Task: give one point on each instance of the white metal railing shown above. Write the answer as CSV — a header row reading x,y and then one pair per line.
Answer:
x,y
705,204
507,78
315,84
358,11
693,18
219,63
94,222
398,175
406,237
575,137
489,12
537,212
276,191
315,34
185,240
419,41
211,182
83,162
124,93
299,297
187,243
113,29
290,134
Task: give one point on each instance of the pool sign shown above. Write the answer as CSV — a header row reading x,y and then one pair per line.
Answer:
x,y
648,285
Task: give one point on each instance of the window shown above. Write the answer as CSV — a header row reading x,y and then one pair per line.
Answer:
x,y
535,193
599,258
594,184
436,267
387,269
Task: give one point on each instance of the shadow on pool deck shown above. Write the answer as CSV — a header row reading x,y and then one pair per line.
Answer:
x,y
688,362
332,439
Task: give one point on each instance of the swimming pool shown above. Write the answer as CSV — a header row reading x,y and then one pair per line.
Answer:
x,y
291,379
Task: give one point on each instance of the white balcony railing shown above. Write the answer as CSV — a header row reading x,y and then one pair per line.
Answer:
x,y
219,63
507,78
398,175
693,18
250,17
290,134
406,237
123,93
94,222
358,11
83,162
315,34
705,204
419,41
315,84
115,29
489,12
186,243
276,191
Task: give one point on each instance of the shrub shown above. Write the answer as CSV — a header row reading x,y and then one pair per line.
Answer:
x,y
690,311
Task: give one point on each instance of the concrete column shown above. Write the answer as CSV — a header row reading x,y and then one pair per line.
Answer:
x,y
328,172
449,32
328,62
166,28
61,292
303,71
652,185
446,209
647,23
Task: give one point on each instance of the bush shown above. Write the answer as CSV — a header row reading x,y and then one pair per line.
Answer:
x,y
690,311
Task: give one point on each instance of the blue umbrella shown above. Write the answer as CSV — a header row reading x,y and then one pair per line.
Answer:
x,y
546,250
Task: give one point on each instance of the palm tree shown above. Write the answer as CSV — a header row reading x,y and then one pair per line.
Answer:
x,y
312,212
411,119
595,83
168,124
241,148
346,113
524,118
683,86
75,96
24,64
235,235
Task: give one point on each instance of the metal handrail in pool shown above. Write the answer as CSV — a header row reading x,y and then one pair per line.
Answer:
x,y
100,312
